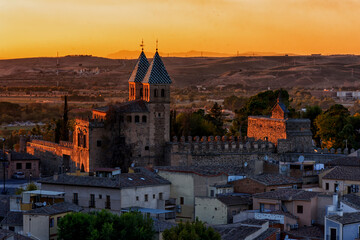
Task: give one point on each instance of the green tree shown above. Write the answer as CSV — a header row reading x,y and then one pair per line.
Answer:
x,y
191,231
104,225
336,128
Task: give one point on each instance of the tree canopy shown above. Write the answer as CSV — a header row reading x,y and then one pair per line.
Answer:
x,y
191,231
104,225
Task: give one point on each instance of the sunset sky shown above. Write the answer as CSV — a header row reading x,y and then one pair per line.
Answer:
x,y
30,28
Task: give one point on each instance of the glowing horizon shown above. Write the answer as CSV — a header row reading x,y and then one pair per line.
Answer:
x,y
34,28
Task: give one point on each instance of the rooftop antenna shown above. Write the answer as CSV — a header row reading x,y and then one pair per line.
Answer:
x,y
142,45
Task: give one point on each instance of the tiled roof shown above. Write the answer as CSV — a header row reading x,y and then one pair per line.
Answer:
x,y
268,233
346,218
13,219
253,221
157,73
7,234
136,106
54,209
17,156
275,179
210,171
140,69
345,161
123,180
344,173
352,200
235,231
313,232
229,200
283,107
287,194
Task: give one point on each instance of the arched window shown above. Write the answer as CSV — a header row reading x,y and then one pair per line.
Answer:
x,y
144,119
155,93
137,119
162,92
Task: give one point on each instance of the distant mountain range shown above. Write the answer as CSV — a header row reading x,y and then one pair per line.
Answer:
x,y
126,54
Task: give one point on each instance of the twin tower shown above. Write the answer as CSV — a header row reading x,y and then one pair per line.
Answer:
x,y
149,82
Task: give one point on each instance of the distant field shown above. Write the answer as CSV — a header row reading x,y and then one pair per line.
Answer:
x,y
251,73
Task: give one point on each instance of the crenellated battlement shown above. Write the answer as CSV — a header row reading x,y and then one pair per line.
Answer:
x,y
218,144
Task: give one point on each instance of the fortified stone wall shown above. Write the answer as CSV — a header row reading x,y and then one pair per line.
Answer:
x,y
51,155
263,128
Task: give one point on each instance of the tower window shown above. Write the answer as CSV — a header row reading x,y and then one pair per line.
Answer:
x,y
155,93
128,118
141,92
144,119
137,119
162,92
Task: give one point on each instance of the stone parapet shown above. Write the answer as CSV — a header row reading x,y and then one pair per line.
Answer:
x,y
218,144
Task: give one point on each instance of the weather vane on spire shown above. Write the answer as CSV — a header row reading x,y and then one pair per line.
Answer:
x,y
157,42
142,45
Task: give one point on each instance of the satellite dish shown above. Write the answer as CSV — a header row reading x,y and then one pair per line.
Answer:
x,y
245,164
301,158
266,157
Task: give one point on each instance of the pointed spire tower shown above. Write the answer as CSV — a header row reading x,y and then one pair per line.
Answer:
x,y
137,76
157,82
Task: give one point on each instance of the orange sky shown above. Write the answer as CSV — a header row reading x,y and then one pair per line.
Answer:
x,y
99,27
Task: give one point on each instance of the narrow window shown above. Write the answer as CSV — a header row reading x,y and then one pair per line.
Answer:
x,y
137,119
92,201
128,118
212,193
28,165
144,119
299,209
108,202
162,92
146,197
326,186
141,92
51,222
146,147
84,146
182,200
75,198
18,165
137,198
160,196
155,92
100,196
336,187
98,143
262,207
153,196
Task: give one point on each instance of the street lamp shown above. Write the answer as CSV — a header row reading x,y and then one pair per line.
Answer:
x,y
3,159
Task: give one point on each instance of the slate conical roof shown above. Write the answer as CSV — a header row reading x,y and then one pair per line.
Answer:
x,y
140,69
157,73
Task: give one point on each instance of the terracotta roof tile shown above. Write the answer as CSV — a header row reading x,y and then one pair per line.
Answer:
x,y
346,218
287,194
275,179
344,173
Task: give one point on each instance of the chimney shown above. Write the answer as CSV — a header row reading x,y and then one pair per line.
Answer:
x,y
335,200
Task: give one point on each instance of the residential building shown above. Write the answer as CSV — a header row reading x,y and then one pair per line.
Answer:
x,y
23,162
264,183
188,182
10,235
302,204
342,179
221,209
142,189
42,223
342,226
350,203
13,222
